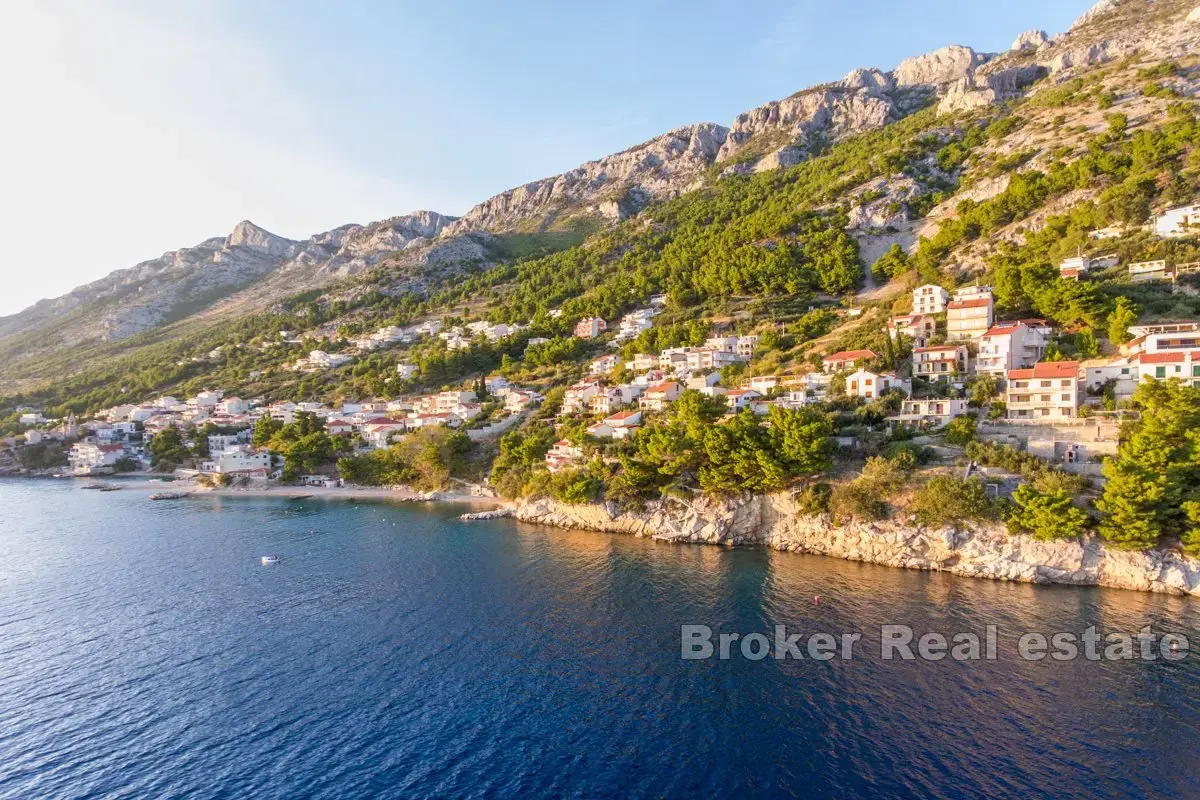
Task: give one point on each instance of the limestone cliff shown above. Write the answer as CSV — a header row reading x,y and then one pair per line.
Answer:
x,y
975,551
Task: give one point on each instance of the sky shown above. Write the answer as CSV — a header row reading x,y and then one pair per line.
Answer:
x,y
134,127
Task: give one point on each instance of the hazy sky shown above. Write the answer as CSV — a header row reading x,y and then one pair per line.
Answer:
x,y
132,127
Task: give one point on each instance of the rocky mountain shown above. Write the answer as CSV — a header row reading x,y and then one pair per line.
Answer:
x,y
252,268
183,282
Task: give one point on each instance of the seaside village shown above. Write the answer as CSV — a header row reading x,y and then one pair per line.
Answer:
x,y
1054,409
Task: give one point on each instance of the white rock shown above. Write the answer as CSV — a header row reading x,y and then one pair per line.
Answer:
x,y
939,68
1030,40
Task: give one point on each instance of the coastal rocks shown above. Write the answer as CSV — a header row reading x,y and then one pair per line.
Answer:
x,y
977,551
496,513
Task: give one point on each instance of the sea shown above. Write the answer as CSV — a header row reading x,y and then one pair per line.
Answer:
x,y
396,651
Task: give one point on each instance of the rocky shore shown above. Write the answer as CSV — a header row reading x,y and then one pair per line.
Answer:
x,y
973,551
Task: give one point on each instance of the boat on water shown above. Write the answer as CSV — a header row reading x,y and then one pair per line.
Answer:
x,y
168,495
109,488
267,560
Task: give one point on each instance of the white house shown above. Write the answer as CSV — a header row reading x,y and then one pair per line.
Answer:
x,y
233,406
241,460
1181,221
1010,345
1047,390
918,327
846,359
970,314
1181,365
938,363
578,398
931,411
763,383
406,371
88,457
1143,271
929,299
642,361
618,426
603,365
516,400
590,327
869,385
741,398
658,397
562,454
379,433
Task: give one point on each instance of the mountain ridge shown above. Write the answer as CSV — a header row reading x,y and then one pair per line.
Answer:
x,y
251,268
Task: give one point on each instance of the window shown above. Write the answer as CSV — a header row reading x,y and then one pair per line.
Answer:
x,y
1160,372
1066,398
1196,371
1045,384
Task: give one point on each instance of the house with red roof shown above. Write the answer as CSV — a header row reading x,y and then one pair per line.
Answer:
x,y
657,398
846,359
1048,390
969,314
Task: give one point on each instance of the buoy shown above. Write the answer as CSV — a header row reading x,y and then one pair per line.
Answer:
x,y
817,599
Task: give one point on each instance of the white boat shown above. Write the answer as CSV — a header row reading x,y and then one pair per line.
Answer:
x,y
270,560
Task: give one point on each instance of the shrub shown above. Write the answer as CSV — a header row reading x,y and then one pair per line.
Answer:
x,y
960,431
947,500
1045,515
813,500
865,497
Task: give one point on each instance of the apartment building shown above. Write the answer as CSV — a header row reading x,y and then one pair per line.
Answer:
x,y
1047,390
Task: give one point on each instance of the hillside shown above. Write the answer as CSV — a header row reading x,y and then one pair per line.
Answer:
x,y
956,156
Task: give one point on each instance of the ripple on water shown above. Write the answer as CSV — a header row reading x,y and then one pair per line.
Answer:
x,y
144,651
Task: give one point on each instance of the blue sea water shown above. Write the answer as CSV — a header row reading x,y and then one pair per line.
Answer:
x,y
397,652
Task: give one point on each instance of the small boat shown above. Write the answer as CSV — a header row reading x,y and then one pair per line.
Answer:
x,y
267,560
168,495
110,489
95,486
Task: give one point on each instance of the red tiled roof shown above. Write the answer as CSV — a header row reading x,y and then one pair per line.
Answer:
x,y
1002,329
938,349
852,355
662,388
982,302
1047,369
1177,357
621,416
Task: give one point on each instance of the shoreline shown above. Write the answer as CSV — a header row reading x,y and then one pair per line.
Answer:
x,y
985,551
400,495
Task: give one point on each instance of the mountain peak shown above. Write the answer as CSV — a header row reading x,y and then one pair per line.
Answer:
x,y
247,234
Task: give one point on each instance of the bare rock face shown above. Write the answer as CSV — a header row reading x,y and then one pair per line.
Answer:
x,y
830,113
656,169
1029,40
870,79
1099,9
981,89
939,68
